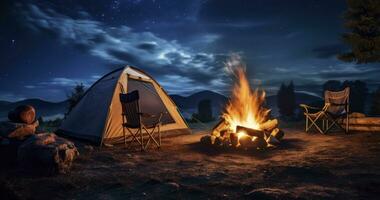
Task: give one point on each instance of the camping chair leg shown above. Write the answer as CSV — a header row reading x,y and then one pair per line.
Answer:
x,y
151,137
347,124
142,139
125,138
307,123
159,135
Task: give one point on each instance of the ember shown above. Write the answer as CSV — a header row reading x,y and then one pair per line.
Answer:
x,y
245,121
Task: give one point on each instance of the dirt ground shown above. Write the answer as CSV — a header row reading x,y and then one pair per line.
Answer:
x,y
305,166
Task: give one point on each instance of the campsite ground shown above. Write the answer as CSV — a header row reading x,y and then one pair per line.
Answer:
x,y
305,166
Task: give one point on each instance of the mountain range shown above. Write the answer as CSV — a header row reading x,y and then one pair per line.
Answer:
x,y
187,104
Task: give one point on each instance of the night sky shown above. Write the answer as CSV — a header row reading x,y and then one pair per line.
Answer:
x,y
48,46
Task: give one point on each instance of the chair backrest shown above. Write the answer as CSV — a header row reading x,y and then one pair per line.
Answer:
x,y
131,108
339,101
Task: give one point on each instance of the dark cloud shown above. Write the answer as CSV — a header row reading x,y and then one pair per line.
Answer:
x,y
150,47
329,51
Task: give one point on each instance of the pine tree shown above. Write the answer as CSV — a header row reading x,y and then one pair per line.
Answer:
x,y
375,107
291,99
358,95
363,20
286,100
75,97
281,104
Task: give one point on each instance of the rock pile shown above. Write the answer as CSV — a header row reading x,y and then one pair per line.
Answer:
x,y
46,153
43,153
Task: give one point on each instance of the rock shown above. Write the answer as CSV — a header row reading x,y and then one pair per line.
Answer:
x,y
17,131
47,154
269,194
22,114
8,151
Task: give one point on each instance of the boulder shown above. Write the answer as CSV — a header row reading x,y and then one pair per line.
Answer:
x,y
46,154
23,114
18,131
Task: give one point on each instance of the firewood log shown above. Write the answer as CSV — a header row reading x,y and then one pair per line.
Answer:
x,y
219,127
269,125
277,133
357,115
22,114
251,132
375,121
364,128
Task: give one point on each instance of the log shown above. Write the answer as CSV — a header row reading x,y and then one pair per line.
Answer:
x,y
277,133
269,125
364,128
22,114
251,132
18,131
372,121
219,127
357,115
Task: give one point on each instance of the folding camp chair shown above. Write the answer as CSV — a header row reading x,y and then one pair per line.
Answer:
x,y
336,107
338,110
316,118
134,123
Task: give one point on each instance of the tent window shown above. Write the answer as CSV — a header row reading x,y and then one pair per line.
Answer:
x,y
150,101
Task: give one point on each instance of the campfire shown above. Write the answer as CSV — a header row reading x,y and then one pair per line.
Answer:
x,y
245,121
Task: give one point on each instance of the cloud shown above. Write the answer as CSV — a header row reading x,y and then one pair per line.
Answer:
x,y
122,45
11,97
329,51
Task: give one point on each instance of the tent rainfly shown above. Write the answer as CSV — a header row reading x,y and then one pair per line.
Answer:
x,y
97,116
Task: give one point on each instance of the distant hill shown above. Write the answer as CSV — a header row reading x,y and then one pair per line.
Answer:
x,y
192,100
43,108
187,104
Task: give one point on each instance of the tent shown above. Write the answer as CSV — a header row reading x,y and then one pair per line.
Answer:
x,y
97,116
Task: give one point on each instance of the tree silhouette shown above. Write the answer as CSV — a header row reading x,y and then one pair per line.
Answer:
x,y
204,111
375,107
362,18
286,100
358,95
75,96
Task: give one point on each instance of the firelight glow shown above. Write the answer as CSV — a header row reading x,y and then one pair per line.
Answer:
x,y
246,105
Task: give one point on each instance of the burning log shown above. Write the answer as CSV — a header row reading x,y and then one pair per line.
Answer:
x,y
277,133
269,125
219,128
250,132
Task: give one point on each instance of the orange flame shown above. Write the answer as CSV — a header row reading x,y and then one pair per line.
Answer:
x,y
245,107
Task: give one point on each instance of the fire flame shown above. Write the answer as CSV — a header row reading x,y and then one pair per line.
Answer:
x,y
245,107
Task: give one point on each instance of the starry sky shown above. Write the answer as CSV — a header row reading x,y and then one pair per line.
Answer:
x,y
49,46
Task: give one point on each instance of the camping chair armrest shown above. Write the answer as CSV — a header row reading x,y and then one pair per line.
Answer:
x,y
158,116
306,107
146,115
338,104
